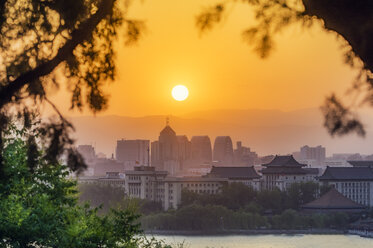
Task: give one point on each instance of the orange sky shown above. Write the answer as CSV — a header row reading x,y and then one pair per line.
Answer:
x,y
220,70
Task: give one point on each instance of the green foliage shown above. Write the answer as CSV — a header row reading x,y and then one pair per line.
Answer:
x,y
47,43
107,196
213,217
241,207
233,196
39,207
237,196
197,217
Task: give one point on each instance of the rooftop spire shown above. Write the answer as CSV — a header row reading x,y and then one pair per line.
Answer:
x,y
167,121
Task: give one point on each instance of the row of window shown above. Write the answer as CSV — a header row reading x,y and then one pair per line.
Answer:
x,y
133,177
354,184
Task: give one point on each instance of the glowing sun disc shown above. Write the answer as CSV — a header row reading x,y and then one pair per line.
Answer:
x,y
180,92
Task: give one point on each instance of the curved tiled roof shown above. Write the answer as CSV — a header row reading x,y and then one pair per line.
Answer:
x,y
287,161
347,173
333,200
361,163
239,172
284,170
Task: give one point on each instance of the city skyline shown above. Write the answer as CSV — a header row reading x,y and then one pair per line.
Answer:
x,y
253,128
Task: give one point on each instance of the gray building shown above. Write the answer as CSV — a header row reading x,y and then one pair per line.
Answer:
x,y
246,175
223,150
132,152
283,171
317,154
201,152
356,183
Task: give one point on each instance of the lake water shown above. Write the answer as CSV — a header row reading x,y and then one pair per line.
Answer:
x,y
271,241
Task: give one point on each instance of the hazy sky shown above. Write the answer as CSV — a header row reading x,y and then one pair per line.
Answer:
x,y
220,70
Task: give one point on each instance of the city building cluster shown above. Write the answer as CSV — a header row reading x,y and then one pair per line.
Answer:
x,y
159,171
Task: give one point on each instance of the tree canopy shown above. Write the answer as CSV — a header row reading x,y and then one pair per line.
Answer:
x,y
351,20
40,40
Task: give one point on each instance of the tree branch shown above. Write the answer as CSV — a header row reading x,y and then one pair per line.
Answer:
x,y
79,35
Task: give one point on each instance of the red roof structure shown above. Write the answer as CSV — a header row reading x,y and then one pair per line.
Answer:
x,y
333,201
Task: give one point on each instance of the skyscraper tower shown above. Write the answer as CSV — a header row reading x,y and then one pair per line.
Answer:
x,y
223,150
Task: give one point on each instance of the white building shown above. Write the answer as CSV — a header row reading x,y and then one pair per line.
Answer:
x,y
283,171
147,183
246,175
356,183
317,153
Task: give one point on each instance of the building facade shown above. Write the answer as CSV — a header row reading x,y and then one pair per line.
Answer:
x,y
238,174
283,171
201,152
132,152
150,184
316,154
356,183
223,150
244,156
88,153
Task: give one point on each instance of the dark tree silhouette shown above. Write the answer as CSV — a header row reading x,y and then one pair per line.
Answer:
x,y
42,40
350,19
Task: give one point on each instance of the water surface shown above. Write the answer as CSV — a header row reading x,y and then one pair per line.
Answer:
x,y
271,241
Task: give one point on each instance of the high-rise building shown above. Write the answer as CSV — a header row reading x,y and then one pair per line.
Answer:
x,y
201,152
88,153
313,153
184,146
244,156
165,151
132,152
223,150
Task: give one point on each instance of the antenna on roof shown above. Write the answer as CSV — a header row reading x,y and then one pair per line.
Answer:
x,y
167,121
148,150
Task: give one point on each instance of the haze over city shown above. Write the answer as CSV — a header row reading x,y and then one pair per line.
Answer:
x,y
174,124
236,94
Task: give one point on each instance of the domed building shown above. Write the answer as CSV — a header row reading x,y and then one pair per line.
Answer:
x,y
170,151
168,146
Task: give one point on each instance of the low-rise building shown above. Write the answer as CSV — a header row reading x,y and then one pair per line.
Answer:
x,y
172,188
356,183
147,183
143,182
115,179
239,174
283,171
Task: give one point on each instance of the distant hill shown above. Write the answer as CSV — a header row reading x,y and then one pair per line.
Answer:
x,y
265,131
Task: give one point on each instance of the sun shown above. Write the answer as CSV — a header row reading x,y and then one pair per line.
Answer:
x,y
180,92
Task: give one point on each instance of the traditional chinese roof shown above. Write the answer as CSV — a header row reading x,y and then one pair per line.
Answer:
x,y
347,173
284,165
194,179
333,200
287,161
312,171
284,170
240,172
361,163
